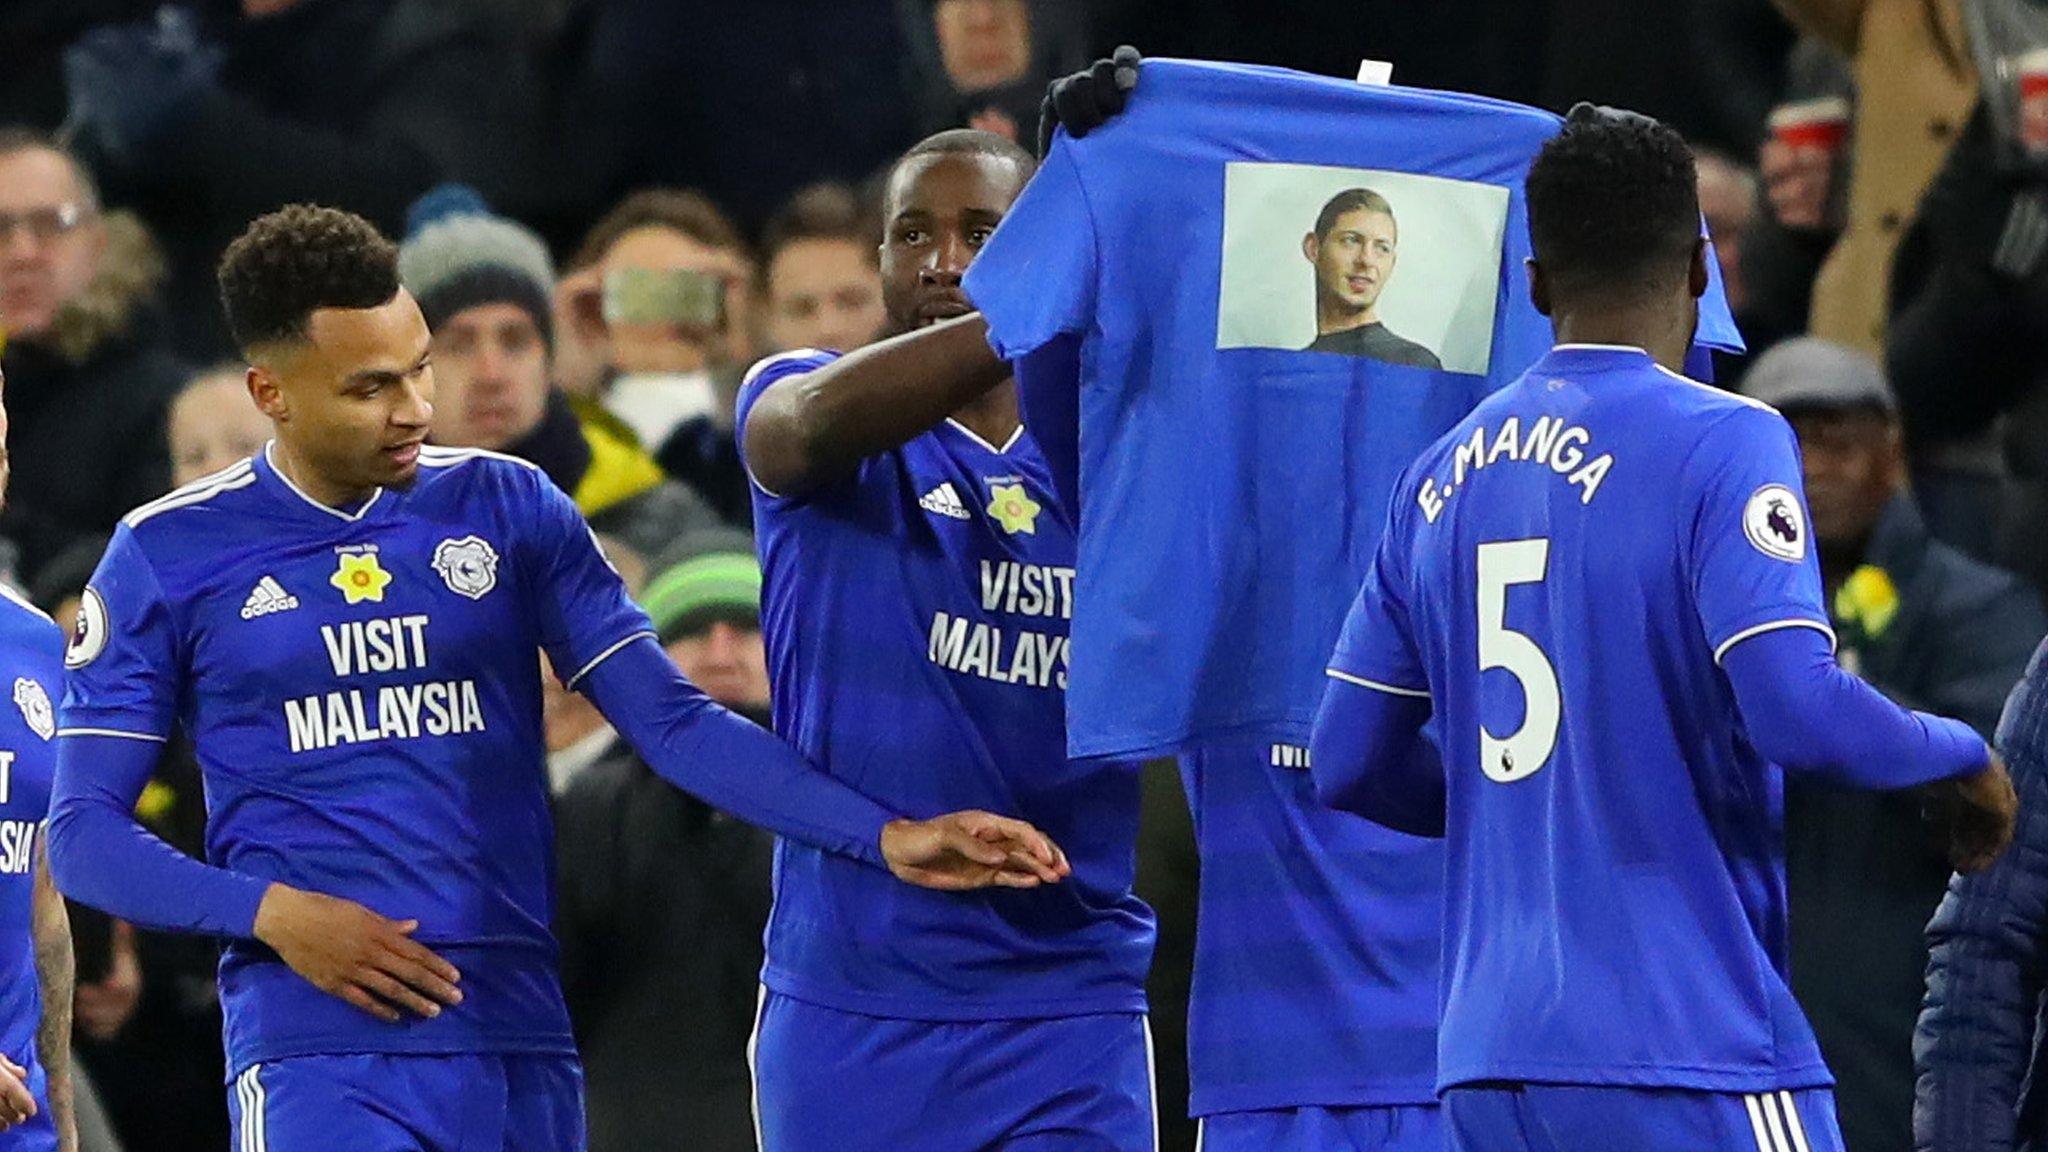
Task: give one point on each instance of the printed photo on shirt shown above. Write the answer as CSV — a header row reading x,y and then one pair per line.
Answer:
x,y
1392,266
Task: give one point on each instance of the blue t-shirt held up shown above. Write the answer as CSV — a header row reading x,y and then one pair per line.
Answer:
x,y
1238,310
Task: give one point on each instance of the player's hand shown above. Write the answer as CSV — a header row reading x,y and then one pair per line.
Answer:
x,y
346,950
104,1008
16,1102
964,850
1085,100
1978,812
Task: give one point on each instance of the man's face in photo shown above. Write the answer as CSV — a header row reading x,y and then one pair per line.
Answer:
x,y
1354,262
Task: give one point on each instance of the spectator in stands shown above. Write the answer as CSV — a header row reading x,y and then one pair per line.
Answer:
x,y
483,283
88,374
1728,192
1931,629
1803,178
1969,351
1915,84
204,123
993,76
147,1014
575,732
214,424
821,280
1728,199
664,367
664,899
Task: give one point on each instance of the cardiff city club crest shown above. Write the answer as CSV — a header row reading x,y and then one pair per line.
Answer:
x,y
35,707
468,566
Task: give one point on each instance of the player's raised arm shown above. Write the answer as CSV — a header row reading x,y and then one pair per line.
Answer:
x,y
810,429
1757,586
806,430
590,625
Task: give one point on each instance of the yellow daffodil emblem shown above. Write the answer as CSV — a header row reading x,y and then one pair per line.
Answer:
x,y
360,578
1013,508
1867,600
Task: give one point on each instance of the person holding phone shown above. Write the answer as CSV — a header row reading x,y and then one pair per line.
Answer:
x,y
654,322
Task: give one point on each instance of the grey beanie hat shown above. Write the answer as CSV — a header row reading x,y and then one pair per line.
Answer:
x,y
461,261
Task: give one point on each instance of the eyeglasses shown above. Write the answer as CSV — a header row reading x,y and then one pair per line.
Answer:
x,y
44,224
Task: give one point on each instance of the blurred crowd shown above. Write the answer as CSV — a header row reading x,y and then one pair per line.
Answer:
x,y
610,208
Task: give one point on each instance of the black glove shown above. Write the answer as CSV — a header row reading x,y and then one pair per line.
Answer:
x,y
1087,99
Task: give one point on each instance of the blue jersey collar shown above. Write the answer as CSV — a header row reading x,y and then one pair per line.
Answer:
x,y
282,485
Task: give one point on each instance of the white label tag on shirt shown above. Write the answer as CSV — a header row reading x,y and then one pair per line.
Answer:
x,y
1378,73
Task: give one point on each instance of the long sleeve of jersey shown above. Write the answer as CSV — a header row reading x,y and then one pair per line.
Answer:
x,y
1805,714
100,855
727,761
1368,756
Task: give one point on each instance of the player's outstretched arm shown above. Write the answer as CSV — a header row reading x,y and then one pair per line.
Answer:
x,y
1807,715
56,978
101,856
1368,756
739,768
810,429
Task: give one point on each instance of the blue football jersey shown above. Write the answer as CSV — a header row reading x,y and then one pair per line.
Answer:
x,y
32,675
362,690
1316,940
1559,576
1234,470
916,621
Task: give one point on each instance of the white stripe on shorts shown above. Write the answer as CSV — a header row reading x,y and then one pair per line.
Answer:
x,y
1152,1086
1759,1127
1794,1123
249,1091
754,1067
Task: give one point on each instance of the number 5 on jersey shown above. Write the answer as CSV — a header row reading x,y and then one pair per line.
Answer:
x,y
1525,751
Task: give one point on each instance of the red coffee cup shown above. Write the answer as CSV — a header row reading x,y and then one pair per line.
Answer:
x,y
2032,71
1821,124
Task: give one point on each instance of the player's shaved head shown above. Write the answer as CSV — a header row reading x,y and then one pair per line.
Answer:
x,y
946,196
293,263
957,142
1614,210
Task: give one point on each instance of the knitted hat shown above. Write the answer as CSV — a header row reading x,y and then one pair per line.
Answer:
x,y
709,575
458,255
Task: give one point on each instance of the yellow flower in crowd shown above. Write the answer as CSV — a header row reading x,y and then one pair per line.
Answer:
x,y
1867,599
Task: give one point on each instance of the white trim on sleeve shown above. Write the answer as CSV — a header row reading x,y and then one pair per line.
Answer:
x,y
1793,622
601,657
1375,685
113,732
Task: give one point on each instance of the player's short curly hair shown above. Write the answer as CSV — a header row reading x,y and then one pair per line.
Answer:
x,y
297,260
1614,208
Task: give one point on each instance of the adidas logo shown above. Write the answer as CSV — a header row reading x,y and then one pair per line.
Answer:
x,y
268,596
944,501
